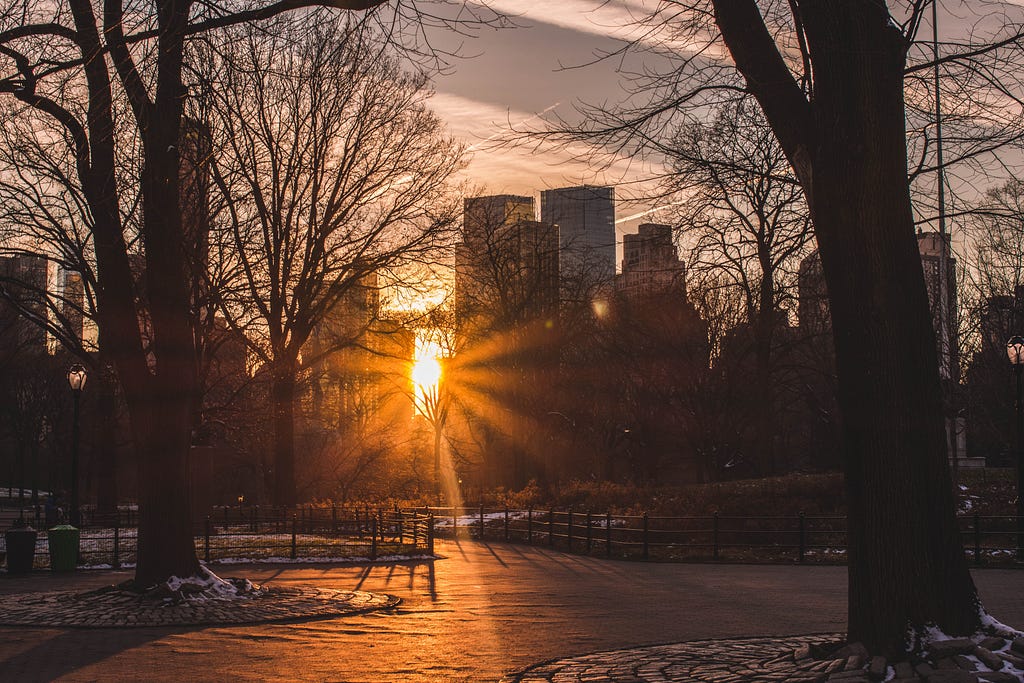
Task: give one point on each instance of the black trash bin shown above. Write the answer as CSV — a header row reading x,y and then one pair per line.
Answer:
x,y
21,549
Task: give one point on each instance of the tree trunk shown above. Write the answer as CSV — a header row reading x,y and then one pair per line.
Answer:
x,y
283,399
106,443
161,412
166,540
847,145
907,565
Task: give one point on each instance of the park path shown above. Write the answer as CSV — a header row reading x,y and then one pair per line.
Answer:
x,y
483,612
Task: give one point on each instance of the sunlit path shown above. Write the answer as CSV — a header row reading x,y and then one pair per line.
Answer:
x,y
483,612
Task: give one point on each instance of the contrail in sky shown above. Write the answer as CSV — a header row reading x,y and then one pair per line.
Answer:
x,y
526,120
647,212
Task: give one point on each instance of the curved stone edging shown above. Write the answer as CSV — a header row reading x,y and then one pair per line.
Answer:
x,y
711,661
121,609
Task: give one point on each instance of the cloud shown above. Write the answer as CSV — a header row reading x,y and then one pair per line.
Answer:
x,y
624,20
532,167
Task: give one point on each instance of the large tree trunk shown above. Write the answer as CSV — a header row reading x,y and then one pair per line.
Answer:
x,y
106,442
907,563
161,413
847,145
283,399
166,538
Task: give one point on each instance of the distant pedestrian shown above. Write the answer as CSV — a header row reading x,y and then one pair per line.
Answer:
x,y
50,506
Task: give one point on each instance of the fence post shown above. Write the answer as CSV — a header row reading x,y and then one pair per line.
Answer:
x,y
551,528
359,525
608,534
430,532
295,529
590,532
803,537
481,521
506,523
529,526
206,540
373,538
646,539
401,527
977,538
714,537
568,530
455,522
116,564
334,519
225,515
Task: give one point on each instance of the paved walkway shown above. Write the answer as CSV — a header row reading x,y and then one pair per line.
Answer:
x,y
485,613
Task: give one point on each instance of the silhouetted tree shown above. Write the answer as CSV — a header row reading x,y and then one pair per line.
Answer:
x,y
830,79
332,171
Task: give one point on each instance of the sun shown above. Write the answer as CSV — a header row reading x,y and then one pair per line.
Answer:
x,y
426,373
426,368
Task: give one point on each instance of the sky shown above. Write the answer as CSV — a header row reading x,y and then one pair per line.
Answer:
x,y
514,76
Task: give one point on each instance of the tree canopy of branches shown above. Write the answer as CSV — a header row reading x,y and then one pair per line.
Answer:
x,y
746,217
331,172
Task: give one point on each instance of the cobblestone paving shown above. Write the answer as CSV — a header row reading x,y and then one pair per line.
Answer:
x,y
112,608
710,661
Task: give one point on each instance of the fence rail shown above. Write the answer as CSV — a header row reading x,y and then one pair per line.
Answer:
x,y
236,533
239,535
800,538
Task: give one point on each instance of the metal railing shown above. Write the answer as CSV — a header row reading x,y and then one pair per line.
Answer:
x,y
251,534
782,538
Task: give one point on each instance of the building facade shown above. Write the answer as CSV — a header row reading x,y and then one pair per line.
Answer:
x,y
650,262
585,216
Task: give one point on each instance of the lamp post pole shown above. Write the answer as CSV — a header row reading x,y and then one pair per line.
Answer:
x,y
76,378
1015,350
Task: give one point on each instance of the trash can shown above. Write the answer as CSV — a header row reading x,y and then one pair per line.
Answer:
x,y
63,540
21,549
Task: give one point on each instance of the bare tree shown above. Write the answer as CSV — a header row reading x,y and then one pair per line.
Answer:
x,y
332,171
830,78
744,214
69,63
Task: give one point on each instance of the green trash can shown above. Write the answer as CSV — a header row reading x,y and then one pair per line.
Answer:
x,y
21,549
63,540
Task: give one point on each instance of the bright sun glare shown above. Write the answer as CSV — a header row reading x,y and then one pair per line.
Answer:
x,y
426,368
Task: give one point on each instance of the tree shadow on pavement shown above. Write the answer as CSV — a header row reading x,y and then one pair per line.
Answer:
x,y
52,654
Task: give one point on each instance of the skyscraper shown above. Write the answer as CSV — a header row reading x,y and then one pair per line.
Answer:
x,y
940,279
650,262
585,217
73,304
23,279
506,269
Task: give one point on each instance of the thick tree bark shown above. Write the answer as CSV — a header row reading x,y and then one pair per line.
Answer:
x,y
106,442
283,399
907,566
161,414
166,545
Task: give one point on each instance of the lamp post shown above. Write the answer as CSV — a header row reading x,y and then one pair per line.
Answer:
x,y
1015,350
76,378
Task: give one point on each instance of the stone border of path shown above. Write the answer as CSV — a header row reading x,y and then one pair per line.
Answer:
x,y
717,661
782,660
113,608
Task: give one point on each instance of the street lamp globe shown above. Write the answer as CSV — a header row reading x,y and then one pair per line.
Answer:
x,y
76,377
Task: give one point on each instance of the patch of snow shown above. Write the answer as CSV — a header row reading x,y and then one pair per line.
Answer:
x,y
991,625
